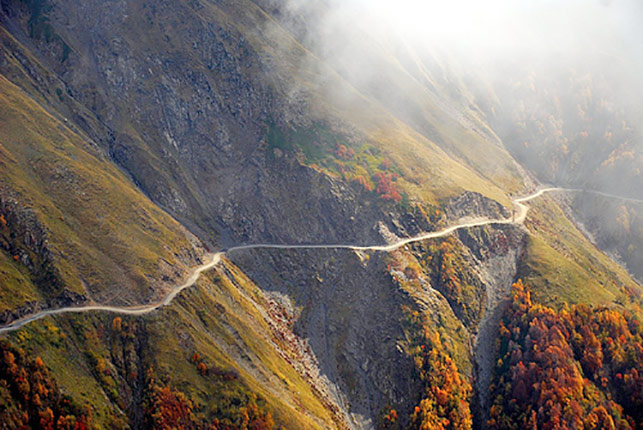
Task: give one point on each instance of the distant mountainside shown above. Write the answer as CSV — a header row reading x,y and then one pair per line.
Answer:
x,y
571,125
138,137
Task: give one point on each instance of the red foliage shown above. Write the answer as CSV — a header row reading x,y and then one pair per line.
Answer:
x,y
385,187
202,368
389,420
170,410
445,402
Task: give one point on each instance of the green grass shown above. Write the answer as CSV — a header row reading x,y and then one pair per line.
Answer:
x,y
104,232
16,287
223,314
438,314
562,265
316,142
62,345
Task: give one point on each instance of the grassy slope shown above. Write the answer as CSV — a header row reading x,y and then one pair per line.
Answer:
x,y
616,225
235,334
562,265
104,232
439,314
219,318
424,104
16,287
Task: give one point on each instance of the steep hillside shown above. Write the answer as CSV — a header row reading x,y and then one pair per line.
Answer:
x,y
74,228
132,133
571,125
221,350
576,124
616,226
193,126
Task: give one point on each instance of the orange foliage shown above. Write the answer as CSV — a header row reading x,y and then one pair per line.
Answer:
x,y
39,363
565,369
389,421
170,410
202,368
117,324
445,403
30,398
364,183
344,153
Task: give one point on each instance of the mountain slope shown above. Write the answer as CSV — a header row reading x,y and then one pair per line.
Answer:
x,y
73,221
125,124
178,133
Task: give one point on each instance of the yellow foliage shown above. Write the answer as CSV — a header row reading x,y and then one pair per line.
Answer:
x,y
116,324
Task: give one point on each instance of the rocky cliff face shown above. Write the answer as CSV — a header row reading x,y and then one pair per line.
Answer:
x,y
350,312
189,125
349,308
616,226
495,259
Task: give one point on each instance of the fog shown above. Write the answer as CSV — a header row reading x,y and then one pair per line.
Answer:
x,y
560,83
491,28
563,77
580,33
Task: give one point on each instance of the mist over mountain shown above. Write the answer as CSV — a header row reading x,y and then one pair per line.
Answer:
x,y
321,214
543,62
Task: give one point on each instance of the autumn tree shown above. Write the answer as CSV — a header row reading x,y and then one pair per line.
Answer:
x,y
445,400
30,397
565,369
170,410
386,188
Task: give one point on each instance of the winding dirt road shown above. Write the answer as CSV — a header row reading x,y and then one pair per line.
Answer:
x,y
520,213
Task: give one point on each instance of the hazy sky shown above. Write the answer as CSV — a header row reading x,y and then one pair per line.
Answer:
x,y
504,27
